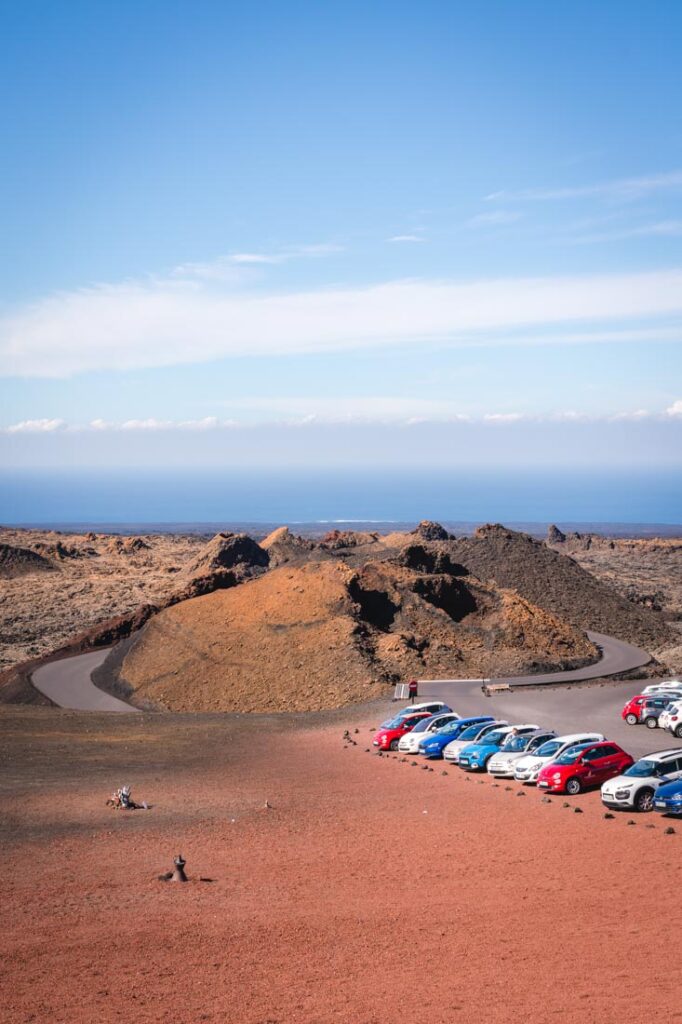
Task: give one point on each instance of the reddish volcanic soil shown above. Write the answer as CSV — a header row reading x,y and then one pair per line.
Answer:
x,y
371,891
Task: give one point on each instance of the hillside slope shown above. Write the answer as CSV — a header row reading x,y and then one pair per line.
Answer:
x,y
322,634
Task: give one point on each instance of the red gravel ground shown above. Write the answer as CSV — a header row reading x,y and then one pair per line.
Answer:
x,y
371,891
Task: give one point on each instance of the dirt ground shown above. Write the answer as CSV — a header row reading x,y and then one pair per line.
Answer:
x,y
370,890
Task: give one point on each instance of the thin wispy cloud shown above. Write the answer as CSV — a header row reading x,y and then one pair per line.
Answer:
x,y
223,267
405,238
494,217
619,188
157,323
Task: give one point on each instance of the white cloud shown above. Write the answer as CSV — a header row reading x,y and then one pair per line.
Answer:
x,y
620,188
159,323
42,426
405,238
289,411
494,217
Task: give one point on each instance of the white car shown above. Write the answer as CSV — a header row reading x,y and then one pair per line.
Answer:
x,y
409,744
673,685
671,718
502,763
528,767
635,788
470,735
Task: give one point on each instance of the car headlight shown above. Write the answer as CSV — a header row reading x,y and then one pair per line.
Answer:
x,y
557,776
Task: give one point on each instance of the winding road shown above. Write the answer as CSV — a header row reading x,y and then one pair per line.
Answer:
x,y
616,657
68,683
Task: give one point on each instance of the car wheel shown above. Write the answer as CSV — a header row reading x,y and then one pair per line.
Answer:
x,y
644,800
678,732
573,786
652,723
394,744
631,719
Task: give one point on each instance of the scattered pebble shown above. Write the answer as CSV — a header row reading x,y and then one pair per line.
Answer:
x,y
631,822
546,800
608,815
520,793
577,810
669,831
444,773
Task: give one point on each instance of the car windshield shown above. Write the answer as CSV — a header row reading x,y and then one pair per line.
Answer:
x,y
642,769
496,737
471,732
423,725
569,756
449,727
515,743
549,748
394,723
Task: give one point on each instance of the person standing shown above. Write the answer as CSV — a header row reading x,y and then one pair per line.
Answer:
x,y
413,690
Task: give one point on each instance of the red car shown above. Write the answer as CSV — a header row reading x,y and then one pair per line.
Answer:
x,y
388,737
632,709
582,766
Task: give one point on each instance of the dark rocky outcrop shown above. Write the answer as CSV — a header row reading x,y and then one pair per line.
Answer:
x,y
557,583
21,561
428,530
229,551
283,546
555,535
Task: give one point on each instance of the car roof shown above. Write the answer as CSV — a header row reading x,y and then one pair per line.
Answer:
x,y
662,755
580,737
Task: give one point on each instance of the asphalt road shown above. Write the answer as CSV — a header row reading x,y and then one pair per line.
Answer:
x,y
616,657
69,685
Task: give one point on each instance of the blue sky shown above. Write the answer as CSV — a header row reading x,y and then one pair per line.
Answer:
x,y
279,231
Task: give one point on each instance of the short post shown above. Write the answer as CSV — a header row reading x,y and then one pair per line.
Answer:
x,y
179,873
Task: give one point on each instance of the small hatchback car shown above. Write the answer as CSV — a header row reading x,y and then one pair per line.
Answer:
x,y
583,766
390,734
636,788
668,798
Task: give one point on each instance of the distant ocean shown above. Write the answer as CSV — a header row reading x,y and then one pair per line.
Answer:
x,y
193,500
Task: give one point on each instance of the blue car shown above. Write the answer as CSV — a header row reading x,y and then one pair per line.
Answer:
x,y
668,797
433,745
475,757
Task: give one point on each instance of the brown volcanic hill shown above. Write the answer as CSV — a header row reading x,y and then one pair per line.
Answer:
x,y
322,635
21,561
283,546
229,551
558,584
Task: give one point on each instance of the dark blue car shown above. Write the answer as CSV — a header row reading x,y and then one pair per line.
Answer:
x,y
433,745
668,797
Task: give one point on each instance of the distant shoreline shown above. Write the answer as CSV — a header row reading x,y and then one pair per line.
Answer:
x,y
316,528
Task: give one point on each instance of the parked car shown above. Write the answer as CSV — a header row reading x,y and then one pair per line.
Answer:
x,y
671,719
668,798
432,707
528,767
433,744
651,709
409,744
475,757
502,763
672,686
470,735
633,707
583,766
389,735
635,788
